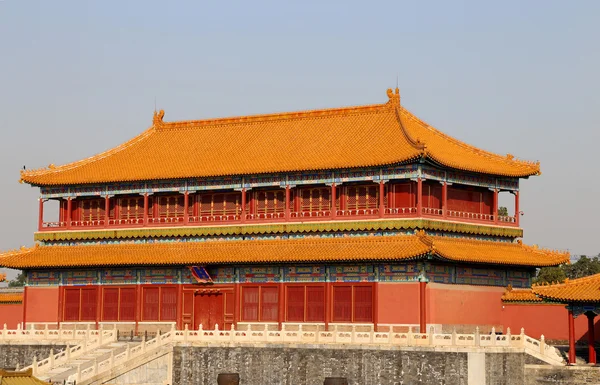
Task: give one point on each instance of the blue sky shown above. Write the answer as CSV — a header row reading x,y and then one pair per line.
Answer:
x,y
517,77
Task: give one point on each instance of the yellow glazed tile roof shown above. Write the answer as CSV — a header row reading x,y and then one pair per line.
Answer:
x,y
363,136
503,253
11,298
19,378
586,289
368,248
520,295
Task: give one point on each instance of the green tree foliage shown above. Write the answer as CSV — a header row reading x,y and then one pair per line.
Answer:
x,y
502,211
18,281
582,268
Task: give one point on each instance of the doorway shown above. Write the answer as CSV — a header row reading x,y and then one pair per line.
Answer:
x,y
208,310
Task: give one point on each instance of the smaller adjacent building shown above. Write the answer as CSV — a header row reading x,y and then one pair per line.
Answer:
x,y
582,297
11,307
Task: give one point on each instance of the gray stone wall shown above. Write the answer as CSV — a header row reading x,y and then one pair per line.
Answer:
x,y
567,375
361,366
22,355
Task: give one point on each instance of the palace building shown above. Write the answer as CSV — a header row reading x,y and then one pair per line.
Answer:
x,y
362,215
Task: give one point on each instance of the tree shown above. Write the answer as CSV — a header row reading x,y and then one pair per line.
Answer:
x,y
502,211
582,268
18,281
550,275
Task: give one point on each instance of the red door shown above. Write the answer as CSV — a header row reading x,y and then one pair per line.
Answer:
x,y
208,310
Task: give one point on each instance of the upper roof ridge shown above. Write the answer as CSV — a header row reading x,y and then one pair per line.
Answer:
x,y
243,119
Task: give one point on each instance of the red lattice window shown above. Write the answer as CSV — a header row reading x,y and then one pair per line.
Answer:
x,y
269,303
363,304
305,303
131,208
151,303
219,204
315,199
168,304
403,195
92,209
110,308
269,201
170,206
342,304
362,197
353,303
260,303
250,303
72,302
315,304
127,304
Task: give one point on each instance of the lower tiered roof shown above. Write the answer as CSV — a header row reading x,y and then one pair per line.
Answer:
x,y
586,289
321,249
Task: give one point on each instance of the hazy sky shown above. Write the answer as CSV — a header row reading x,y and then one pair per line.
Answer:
x,y
517,77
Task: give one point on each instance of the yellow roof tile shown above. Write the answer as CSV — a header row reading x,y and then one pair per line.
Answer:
x,y
369,248
586,289
503,253
11,297
363,136
19,378
520,295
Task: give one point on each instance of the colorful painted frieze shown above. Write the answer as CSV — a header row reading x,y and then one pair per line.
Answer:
x,y
119,276
310,178
260,274
265,180
440,273
159,276
511,184
396,272
409,171
351,273
356,175
480,276
43,278
471,179
80,277
432,173
518,278
309,273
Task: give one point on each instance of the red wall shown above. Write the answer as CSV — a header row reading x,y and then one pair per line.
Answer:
x,y
11,315
41,304
463,304
398,303
549,320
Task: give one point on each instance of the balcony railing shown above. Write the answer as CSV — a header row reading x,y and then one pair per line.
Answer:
x,y
293,216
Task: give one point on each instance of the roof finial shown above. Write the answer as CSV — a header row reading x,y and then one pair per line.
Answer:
x,y
158,117
394,96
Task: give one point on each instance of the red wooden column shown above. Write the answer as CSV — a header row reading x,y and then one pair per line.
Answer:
x,y
41,215
517,211
180,305
69,214
419,196
146,209
106,210
281,310
287,202
381,199
423,306
186,206
139,305
328,304
333,201
444,200
591,338
25,307
375,300
243,215
571,338
238,304
495,205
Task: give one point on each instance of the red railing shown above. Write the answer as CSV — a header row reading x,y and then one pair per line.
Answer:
x,y
276,217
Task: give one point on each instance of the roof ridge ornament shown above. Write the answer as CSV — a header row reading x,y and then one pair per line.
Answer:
x,y
394,96
157,119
